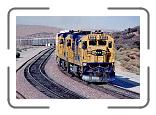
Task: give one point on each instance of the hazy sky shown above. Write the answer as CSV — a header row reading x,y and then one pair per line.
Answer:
x,y
81,22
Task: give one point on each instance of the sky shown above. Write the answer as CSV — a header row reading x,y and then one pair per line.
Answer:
x,y
81,22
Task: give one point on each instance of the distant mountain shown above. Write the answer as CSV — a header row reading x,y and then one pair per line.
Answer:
x,y
28,31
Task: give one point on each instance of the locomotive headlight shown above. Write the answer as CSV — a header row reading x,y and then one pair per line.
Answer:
x,y
104,52
84,64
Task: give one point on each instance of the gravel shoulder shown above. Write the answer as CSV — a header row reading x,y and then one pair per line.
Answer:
x,y
126,78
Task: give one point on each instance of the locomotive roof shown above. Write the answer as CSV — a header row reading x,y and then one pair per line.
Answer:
x,y
74,34
77,36
64,34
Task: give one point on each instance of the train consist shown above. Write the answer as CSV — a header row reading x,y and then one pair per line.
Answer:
x,y
88,55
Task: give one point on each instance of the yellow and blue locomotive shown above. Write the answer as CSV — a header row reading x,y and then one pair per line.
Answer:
x,y
89,55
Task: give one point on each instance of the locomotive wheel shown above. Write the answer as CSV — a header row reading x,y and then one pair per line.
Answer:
x,y
68,67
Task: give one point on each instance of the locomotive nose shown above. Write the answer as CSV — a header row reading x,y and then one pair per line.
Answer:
x,y
99,71
98,52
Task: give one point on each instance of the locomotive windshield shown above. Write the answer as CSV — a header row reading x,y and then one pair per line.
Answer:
x,y
102,42
93,42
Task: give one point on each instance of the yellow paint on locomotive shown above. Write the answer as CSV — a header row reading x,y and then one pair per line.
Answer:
x,y
89,54
59,46
68,49
87,48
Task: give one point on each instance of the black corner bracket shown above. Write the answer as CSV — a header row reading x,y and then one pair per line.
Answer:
x,y
148,48
148,19
8,47
19,107
19,8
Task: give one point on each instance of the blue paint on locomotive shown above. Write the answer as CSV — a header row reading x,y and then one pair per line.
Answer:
x,y
59,34
76,38
100,68
98,72
66,34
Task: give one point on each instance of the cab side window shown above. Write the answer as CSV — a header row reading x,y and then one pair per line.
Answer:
x,y
84,45
68,42
61,41
110,44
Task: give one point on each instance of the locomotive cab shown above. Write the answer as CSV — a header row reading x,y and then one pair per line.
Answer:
x,y
98,58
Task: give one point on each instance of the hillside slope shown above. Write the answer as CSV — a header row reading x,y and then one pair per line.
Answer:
x,y
128,49
23,31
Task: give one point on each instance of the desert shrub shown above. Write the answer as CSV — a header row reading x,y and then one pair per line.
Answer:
x,y
129,59
121,49
17,55
136,44
132,56
119,46
18,49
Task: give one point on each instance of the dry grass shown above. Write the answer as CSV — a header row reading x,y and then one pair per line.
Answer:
x,y
129,59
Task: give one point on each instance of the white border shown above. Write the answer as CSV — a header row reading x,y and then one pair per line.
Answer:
x,y
91,104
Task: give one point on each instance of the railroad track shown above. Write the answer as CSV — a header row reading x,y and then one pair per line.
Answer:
x,y
116,91
19,95
108,88
36,75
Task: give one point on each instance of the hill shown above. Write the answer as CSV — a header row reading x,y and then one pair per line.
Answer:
x,y
128,49
128,38
29,31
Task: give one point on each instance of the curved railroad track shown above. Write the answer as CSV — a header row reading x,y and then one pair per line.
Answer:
x,y
36,75
108,88
19,95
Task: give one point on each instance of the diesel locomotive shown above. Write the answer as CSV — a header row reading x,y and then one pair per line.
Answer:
x,y
88,55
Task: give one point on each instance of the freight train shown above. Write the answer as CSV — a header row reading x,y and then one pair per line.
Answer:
x,y
88,55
